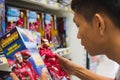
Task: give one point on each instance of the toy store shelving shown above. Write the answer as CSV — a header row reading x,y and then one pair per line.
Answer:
x,y
37,5
42,6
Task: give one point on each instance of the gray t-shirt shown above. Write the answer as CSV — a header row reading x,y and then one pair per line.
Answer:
x,y
118,75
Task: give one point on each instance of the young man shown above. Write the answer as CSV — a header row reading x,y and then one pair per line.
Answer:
x,y
99,30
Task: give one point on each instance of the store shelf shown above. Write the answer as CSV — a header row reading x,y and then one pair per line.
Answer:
x,y
3,64
41,5
62,51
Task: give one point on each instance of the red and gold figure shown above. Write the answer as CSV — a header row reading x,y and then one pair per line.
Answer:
x,y
10,25
20,21
37,25
22,68
51,62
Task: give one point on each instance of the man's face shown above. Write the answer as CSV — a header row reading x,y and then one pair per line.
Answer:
x,y
87,33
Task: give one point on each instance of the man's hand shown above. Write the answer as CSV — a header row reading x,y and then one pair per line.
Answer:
x,y
66,65
14,77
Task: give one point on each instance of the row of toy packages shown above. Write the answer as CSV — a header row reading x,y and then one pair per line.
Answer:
x,y
21,50
52,28
48,25
32,20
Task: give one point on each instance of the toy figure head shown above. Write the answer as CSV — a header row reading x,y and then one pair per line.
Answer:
x,y
18,57
45,43
21,14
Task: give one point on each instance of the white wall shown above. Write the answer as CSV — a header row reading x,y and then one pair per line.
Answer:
x,y
78,54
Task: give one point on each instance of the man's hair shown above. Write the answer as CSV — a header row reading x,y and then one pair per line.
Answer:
x,y
88,8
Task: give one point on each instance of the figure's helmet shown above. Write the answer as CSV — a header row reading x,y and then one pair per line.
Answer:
x,y
18,57
44,42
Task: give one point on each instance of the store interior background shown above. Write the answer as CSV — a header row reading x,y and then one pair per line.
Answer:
x,y
100,64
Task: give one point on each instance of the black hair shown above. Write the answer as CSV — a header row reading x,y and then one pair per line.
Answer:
x,y
88,8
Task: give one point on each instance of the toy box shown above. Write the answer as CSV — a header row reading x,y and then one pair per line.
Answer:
x,y
32,20
15,17
22,54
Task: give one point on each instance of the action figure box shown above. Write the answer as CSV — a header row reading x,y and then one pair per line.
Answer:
x,y
15,17
2,17
20,49
48,25
50,29
33,22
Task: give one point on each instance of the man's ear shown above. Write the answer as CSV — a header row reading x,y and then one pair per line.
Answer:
x,y
99,23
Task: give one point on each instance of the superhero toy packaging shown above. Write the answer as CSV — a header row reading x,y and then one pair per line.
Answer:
x,y
2,17
51,62
48,25
33,21
15,17
50,29
20,49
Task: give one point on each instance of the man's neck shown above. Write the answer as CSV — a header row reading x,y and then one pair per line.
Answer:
x,y
114,53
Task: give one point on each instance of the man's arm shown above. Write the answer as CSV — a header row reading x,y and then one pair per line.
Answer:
x,y
85,74
79,71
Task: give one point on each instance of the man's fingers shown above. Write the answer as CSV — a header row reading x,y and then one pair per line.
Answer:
x,y
14,77
60,58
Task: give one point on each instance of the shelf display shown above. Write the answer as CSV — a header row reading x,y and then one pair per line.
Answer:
x,y
15,17
2,17
22,54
